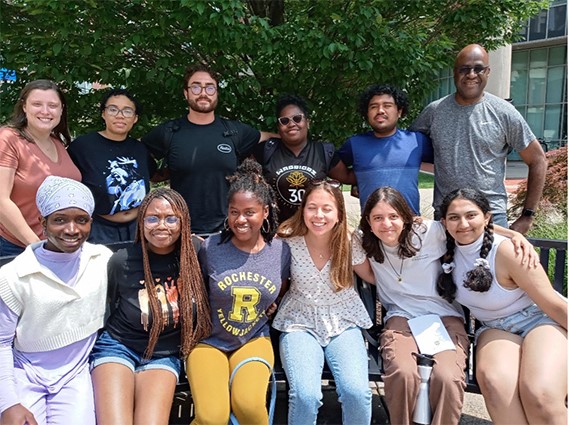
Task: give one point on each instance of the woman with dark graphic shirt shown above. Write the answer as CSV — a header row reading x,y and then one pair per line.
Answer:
x,y
245,269
116,167
136,360
292,161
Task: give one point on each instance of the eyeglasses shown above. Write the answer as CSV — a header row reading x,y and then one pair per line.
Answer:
x,y
477,69
296,119
126,112
153,221
331,182
210,89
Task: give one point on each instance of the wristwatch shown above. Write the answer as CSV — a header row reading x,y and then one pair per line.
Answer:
x,y
527,212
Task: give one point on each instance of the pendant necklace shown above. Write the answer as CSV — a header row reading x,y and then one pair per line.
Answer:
x,y
398,275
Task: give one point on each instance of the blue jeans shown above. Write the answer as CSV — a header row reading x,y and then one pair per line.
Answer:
x,y
9,249
303,360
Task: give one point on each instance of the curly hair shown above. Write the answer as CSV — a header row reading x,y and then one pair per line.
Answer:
x,y
339,245
119,92
287,99
193,296
412,225
199,67
248,178
400,98
479,278
19,121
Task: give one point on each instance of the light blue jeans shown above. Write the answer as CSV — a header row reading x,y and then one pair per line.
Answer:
x,y
303,360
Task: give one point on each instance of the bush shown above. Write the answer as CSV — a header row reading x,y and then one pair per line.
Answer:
x,y
551,221
552,210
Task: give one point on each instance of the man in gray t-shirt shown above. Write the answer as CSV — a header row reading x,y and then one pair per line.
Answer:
x,y
472,133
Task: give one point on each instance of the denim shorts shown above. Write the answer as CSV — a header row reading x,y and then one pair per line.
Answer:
x,y
108,350
519,323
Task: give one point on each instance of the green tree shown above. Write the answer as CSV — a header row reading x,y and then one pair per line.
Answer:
x,y
325,50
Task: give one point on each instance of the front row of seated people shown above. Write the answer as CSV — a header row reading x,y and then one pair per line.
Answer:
x,y
58,367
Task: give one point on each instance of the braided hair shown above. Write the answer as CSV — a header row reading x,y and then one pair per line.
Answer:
x,y
248,178
480,277
193,297
411,225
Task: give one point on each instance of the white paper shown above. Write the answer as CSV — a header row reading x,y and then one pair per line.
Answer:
x,y
430,334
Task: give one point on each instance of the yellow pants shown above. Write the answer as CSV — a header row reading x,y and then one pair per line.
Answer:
x,y
209,371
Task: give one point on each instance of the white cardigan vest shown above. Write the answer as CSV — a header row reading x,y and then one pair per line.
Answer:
x,y
51,314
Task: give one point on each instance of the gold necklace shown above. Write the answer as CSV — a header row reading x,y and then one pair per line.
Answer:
x,y
398,275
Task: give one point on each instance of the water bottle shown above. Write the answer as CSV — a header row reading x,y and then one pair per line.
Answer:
x,y
422,411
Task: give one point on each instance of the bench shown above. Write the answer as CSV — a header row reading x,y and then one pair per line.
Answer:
x,y
182,407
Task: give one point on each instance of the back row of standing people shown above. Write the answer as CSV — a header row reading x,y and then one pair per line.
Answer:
x,y
201,149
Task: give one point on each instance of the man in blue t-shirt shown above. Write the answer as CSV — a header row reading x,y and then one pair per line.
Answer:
x,y
386,156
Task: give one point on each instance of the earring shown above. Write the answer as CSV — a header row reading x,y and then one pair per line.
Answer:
x,y
266,224
226,224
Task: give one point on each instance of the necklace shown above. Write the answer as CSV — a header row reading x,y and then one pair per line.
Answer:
x,y
398,275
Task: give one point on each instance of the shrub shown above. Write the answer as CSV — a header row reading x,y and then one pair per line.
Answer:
x,y
553,207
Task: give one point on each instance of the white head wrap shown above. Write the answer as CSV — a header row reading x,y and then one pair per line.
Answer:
x,y
58,193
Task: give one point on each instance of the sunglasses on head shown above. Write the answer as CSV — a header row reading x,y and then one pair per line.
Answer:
x,y
331,182
296,119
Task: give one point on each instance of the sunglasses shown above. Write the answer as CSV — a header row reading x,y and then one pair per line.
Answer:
x,y
331,182
286,120
466,70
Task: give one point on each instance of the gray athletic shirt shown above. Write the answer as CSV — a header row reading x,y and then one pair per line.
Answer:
x,y
471,144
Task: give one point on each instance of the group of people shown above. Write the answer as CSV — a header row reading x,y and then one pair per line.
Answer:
x,y
253,234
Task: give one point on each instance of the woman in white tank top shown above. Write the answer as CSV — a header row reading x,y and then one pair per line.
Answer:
x,y
522,349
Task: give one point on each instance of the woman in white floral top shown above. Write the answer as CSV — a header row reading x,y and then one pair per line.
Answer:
x,y
321,315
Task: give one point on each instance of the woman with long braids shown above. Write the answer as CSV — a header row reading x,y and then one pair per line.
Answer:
x,y
524,319
401,253
245,269
136,360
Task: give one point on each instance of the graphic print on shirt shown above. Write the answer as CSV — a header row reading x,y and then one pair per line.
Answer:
x,y
291,182
167,293
125,185
244,312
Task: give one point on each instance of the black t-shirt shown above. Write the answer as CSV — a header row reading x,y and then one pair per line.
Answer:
x,y
117,173
129,323
199,158
289,175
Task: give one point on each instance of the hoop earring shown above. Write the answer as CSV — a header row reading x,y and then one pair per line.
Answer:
x,y
226,224
265,222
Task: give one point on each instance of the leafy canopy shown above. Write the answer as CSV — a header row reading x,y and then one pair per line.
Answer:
x,y
327,51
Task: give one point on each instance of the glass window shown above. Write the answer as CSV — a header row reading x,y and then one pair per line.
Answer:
x,y
555,84
537,26
536,86
557,55
519,60
557,21
538,58
518,86
552,119
534,118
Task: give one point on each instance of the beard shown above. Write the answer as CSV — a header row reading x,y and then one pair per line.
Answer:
x,y
193,104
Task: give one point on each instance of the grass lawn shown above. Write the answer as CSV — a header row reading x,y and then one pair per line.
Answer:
x,y
425,181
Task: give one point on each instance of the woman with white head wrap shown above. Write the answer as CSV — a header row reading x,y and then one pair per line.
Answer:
x,y
52,303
